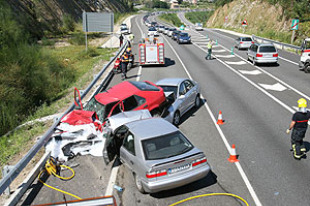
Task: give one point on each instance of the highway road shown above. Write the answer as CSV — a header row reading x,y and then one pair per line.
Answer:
x,y
257,104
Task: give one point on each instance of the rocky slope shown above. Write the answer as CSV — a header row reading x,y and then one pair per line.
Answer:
x,y
48,15
261,17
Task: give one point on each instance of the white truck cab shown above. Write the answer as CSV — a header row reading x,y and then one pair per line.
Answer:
x,y
305,55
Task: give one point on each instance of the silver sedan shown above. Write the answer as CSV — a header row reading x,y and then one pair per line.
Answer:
x,y
183,94
158,154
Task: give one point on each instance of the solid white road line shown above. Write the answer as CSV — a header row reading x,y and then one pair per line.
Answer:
x,y
288,61
139,73
275,87
109,190
243,175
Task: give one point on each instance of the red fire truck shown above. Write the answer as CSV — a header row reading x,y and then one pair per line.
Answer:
x,y
151,51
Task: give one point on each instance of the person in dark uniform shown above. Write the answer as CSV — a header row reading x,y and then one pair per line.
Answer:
x,y
121,38
125,61
299,125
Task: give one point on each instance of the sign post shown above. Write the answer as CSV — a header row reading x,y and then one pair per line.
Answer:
x,y
97,22
294,27
244,24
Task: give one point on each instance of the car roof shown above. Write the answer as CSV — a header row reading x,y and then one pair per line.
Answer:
x,y
170,81
118,92
148,128
266,44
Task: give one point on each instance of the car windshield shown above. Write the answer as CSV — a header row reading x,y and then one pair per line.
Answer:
x,y
267,49
152,29
122,29
246,39
101,110
161,26
144,86
173,89
199,24
166,146
184,34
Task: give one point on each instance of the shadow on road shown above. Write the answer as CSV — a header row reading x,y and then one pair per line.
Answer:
x,y
192,111
207,181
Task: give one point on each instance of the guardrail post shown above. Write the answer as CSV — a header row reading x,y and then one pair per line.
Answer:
x,y
5,171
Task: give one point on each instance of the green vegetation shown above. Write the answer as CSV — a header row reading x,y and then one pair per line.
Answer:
x,y
201,16
294,9
171,18
157,4
220,3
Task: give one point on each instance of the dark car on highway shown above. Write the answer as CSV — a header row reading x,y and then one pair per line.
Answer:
x,y
183,38
175,34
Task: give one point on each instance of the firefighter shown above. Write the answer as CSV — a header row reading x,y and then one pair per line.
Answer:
x,y
299,125
124,60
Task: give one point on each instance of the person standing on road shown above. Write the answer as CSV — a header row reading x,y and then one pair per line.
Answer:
x,y
209,46
130,38
125,61
299,125
121,38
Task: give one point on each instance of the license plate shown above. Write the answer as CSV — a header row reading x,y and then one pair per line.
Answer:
x,y
178,169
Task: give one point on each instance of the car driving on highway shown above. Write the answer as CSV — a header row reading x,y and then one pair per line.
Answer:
x,y
126,96
182,94
198,27
158,154
243,42
152,32
161,28
175,34
263,53
171,30
183,38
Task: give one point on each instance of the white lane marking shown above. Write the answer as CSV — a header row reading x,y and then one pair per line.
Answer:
x,y
253,72
219,51
243,175
234,40
225,56
111,182
274,87
236,63
141,31
109,190
288,61
255,85
139,73
272,76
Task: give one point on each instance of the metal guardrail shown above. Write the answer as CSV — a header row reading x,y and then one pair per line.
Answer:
x,y
8,179
279,45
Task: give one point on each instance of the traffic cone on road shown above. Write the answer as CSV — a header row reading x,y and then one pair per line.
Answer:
x,y
233,154
220,119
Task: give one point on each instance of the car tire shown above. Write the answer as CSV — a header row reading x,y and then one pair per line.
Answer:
x,y
254,62
176,118
155,112
138,184
197,101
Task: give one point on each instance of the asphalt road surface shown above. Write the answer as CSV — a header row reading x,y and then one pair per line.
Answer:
x,y
257,104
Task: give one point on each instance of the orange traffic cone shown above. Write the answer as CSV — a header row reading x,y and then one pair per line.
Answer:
x,y
233,154
220,119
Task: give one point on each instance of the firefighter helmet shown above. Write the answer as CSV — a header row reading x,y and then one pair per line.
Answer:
x,y
302,103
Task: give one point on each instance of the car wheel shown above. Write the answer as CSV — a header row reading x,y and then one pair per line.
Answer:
x,y
254,62
197,101
176,118
138,183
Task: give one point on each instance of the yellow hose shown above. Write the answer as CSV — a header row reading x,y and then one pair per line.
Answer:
x,y
211,194
50,168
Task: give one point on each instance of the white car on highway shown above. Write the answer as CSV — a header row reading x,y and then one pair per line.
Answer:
x,y
182,94
152,32
198,27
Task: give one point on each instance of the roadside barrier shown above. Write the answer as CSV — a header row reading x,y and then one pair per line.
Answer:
x,y
277,44
14,172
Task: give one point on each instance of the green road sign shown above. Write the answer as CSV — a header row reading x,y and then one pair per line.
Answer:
x,y
295,23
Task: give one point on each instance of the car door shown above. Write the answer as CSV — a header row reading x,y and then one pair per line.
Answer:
x,y
128,151
182,98
113,143
237,42
190,94
250,52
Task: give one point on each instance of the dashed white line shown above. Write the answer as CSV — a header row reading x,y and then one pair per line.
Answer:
x,y
274,87
236,63
253,72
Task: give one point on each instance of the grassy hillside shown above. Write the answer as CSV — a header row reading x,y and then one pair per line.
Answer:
x,y
263,19
171,18
201,16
